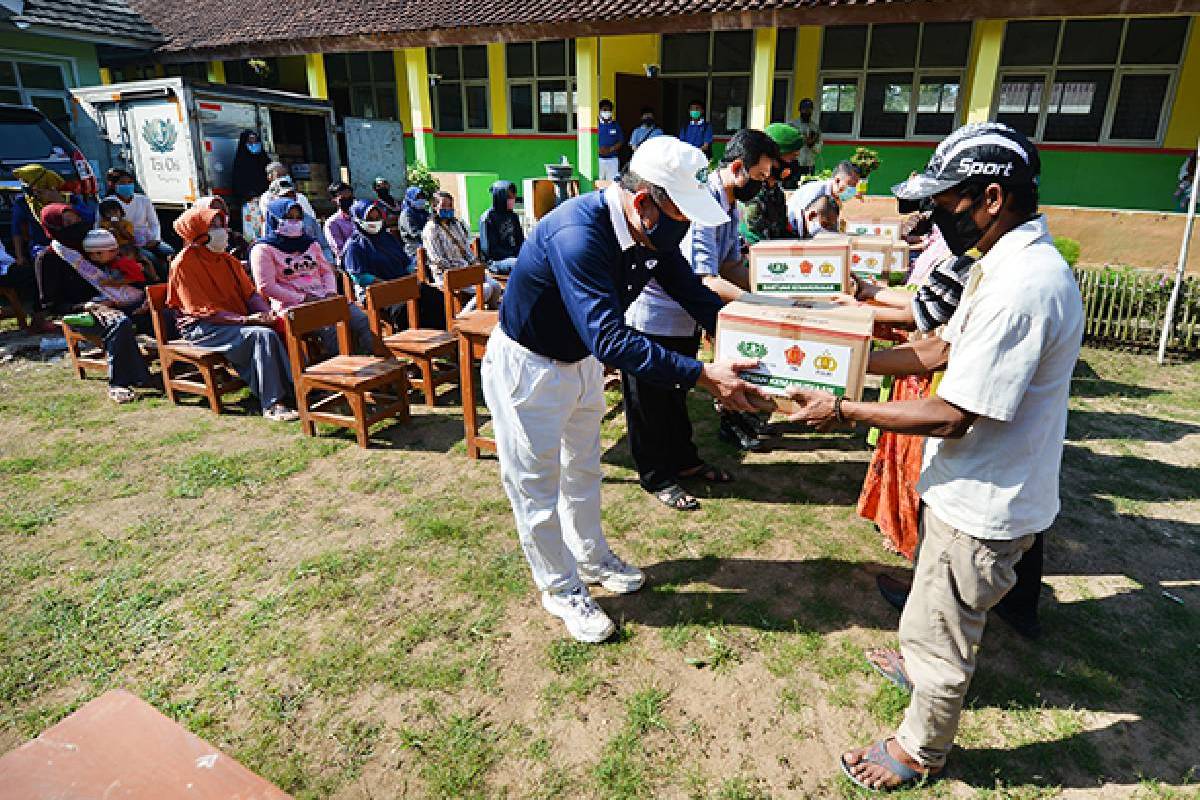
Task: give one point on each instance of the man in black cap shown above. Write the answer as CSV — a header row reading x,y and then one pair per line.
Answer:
x,y
989,482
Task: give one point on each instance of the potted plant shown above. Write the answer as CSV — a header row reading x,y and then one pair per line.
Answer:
x,y
867,161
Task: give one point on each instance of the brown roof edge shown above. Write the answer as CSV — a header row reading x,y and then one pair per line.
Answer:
x,y
840,14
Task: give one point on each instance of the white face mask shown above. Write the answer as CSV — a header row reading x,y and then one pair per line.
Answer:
x,y
218,239
606,116
372,225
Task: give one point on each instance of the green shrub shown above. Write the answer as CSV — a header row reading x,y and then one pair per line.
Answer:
x,y
1069,248
866,159
419,175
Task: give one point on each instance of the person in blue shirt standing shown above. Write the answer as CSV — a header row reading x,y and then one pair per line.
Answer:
x,y
543,376
660,432
610,137
647,130
697,131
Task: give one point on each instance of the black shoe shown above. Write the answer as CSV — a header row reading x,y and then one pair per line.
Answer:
x,y
736,435
893,591
1025,625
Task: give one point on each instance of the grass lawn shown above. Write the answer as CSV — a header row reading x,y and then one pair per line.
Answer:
x,y
362,624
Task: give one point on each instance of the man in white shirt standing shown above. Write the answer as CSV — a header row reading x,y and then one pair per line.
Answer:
x,y
989,482
806,156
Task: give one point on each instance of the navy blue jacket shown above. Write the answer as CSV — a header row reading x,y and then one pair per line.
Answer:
x,y
567,297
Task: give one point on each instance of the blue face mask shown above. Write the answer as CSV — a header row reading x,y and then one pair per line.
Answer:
x,y
849,193
125,191
254,147
420,204
446,213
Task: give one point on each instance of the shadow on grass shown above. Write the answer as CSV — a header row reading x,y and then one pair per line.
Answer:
x,y
1086,382
1091,425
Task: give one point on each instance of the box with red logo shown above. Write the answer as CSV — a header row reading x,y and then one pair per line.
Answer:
x,y
875,256
873,226
816,268
817,345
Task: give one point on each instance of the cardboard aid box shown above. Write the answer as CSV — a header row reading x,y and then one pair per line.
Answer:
x,y
818,345
873,226
815,268
874,256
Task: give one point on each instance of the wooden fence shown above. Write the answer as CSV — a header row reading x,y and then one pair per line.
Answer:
x,y
1126,308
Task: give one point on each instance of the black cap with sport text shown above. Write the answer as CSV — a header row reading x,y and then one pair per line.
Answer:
x,y
980,152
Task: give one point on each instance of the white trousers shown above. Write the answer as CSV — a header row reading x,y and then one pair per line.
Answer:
x,y
546,418
610,168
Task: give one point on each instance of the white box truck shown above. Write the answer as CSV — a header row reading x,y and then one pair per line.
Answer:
x,y
179,136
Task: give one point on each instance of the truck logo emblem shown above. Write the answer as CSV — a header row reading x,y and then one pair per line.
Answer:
x,y
160,134
752,349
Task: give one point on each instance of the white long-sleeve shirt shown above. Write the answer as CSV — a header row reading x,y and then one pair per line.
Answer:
x,y
141,214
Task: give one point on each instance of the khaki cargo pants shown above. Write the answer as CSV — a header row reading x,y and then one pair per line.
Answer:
x,y
958,578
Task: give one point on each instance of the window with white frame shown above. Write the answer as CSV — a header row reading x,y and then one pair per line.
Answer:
x,y
893,81
1090,80
459,88
39,83
541,85
713,68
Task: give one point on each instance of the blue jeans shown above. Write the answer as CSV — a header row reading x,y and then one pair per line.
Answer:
x,y
502,267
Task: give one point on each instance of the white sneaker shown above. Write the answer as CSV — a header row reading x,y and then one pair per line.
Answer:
x,y
613,574
585,620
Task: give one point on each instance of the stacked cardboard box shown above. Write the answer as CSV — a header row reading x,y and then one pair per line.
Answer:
x,y
873,226
818,346
812,268
877,256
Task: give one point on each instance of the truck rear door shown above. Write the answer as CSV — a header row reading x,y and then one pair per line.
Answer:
x,y
221,124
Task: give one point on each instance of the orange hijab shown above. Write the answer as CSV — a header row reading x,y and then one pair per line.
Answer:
x,y
204,283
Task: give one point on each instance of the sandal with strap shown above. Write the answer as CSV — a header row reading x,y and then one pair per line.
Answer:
x,y
676,497
121,395
707,473
878,755
894,671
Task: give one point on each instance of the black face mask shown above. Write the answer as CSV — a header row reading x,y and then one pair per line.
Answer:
x,y
748,192
384,194
72,235
648,121
959,230
667,233
344,203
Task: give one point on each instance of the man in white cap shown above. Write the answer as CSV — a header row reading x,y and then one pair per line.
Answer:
x,y
562,320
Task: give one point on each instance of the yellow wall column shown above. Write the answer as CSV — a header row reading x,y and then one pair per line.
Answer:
x,y
498,87
417,71
761,74
806,69
314,68
216,72
587,79
1184,125
105,75
983,69
403,109
629,54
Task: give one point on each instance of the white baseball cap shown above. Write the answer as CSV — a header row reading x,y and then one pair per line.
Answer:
x,y
682,171
99,239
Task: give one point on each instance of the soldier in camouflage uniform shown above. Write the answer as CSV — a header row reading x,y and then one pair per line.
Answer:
x,y
765,217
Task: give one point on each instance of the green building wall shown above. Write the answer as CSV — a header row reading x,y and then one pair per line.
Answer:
x,y
86,62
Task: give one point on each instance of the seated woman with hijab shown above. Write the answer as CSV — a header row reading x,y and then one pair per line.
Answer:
x,y
238,247
70,283
373,254
220,310
289,269
413,216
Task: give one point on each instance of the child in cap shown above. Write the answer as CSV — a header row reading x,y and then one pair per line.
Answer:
x,y
100,247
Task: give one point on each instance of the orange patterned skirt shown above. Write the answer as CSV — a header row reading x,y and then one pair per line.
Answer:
x,y
889,494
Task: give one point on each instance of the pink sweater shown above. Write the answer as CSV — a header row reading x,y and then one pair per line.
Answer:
x,y
288,280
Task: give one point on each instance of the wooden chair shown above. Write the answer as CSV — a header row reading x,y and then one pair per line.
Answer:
x,y
423,265
358,381
420,345
473,330
347,285
86,351
202,371
15,308
454,281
